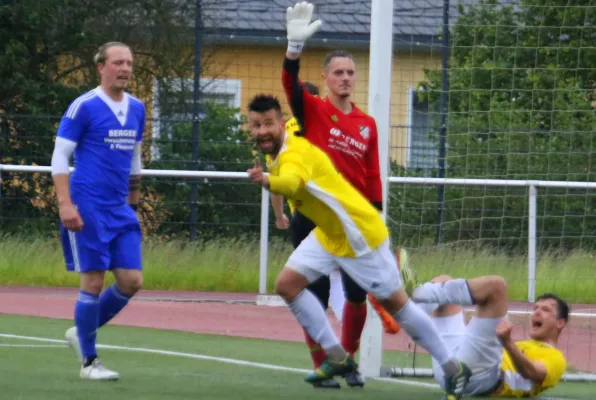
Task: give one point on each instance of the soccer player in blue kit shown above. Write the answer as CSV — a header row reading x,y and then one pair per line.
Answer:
x,y
99,228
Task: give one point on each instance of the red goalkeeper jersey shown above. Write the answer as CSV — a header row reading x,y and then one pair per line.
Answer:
x,y
350,140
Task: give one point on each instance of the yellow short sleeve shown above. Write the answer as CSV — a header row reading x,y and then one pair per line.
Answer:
x,y
555,368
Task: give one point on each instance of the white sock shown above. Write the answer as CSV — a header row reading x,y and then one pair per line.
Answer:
x,y
310,314
428,307
337,296
421,329
455,291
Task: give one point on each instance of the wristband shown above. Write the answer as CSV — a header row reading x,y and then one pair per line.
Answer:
x,y
295,46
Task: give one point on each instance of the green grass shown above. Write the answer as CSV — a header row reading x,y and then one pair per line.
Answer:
x,y
233,266
52,373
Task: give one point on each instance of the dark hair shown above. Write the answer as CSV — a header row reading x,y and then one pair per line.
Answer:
x,y
562,306
311,88
264,102
337,54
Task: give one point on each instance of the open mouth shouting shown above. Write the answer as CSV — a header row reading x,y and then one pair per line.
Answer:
x,y
266,143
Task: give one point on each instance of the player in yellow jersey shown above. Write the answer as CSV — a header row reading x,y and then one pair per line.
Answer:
x,y
501,367
336,291
281,219
350,234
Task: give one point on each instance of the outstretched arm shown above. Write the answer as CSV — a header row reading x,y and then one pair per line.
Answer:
x,y
299,29
293,174
288,182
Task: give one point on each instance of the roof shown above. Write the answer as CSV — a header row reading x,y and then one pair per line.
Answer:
x,y
415,23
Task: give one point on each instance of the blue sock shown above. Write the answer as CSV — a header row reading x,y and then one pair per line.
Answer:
x,y
111,302
86,316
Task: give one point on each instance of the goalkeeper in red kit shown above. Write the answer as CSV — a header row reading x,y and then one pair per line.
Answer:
x,y
349,136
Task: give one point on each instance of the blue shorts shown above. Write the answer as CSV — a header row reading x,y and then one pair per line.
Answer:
x,y
110,238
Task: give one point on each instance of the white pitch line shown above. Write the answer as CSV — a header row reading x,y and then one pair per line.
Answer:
x,y
36,346
211,358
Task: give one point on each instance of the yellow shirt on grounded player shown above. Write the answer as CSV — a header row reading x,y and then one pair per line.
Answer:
x,y
515,385
347,224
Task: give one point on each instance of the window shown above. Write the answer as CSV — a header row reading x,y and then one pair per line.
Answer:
x,y
172,103
422,149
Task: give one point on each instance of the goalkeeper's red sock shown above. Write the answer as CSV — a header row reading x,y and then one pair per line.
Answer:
x,y
352,326
316,351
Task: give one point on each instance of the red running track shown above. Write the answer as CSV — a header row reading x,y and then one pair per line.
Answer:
x,y
235,314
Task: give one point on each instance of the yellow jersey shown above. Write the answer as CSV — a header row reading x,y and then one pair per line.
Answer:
x,y
347,225
515,385
292,127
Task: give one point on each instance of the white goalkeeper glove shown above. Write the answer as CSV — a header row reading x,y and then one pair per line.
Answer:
x,y
299,26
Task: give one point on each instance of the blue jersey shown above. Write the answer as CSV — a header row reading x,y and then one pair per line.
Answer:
x,y
106,133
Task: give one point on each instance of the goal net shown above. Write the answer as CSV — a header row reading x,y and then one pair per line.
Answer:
x,y
495,90
479,89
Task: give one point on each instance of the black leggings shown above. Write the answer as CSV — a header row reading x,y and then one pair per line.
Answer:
x,y
300,228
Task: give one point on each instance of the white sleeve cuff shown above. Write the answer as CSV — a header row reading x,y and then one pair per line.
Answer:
x,y
295,46
136,160
63,149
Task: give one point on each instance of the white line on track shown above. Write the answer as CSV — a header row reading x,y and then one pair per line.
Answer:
x,y
33,346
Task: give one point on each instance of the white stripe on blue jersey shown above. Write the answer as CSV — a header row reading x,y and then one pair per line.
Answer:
x,y
76,105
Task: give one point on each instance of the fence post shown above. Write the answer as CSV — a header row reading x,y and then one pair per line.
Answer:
x,y
264,241
1,204
532,243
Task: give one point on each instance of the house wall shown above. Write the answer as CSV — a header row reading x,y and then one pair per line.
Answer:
x,y
259,70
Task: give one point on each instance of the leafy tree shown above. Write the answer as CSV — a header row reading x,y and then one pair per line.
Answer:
x,y
521,106
46,56
226,207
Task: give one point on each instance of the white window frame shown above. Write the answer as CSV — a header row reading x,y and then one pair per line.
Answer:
x,y
409,121
231,87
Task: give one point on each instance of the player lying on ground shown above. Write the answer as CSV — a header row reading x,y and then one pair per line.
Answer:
x,y
99,229
333,290
349,234
349,136
500,366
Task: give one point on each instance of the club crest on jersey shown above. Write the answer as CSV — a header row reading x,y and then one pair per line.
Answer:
x,y
334,118
364,131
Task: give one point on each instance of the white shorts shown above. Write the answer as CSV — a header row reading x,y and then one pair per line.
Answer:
x,y
376,272
475,344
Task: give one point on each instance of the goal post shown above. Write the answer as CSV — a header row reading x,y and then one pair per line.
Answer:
x,y
379,107
371,356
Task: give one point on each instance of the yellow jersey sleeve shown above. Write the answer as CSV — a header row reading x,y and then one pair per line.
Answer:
x,y
555,368
291,127
293,173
